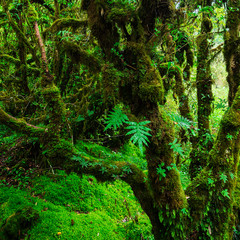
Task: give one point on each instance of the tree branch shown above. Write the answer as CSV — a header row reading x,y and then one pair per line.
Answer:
x,y
17,61
127,172
20,125
60,24
80,56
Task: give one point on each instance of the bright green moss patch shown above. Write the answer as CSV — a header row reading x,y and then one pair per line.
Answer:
x,y
71,207
85,194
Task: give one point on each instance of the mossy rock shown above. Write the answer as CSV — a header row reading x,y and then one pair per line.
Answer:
x,y
18,223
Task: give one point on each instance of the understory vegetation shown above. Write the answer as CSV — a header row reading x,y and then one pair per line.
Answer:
x,y
119,119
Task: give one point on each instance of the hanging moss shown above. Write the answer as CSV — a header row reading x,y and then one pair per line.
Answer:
x,y
80,56
177,86
97,17
62,23
32,14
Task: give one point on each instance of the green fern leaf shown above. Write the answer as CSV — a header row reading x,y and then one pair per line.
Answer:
x,y
181,121
116,119
139,133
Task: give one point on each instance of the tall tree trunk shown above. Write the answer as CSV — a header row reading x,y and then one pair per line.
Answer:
x,y
22,57
211,192
203,144
232,48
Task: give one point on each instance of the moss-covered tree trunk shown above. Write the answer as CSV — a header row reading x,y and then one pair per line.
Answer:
x,y
204,94
212,191
232,48
204,80
167,191
22,56
143,91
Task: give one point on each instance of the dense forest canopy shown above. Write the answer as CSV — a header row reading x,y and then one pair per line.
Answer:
x,y
117,72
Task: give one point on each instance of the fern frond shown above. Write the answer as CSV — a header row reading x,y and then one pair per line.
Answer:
x,y
115,119
140,133
181,121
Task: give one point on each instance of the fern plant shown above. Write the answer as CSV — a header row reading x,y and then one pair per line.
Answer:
x,y
115,119
139,133
183,122
176,147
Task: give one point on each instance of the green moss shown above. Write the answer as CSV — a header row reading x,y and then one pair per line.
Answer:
x,y
19,222
80,56
62,23
151,88
56,109
71,207
174,223
177,86
119,15
51,90
32,14
97,11
231,49
198,196
56,151
110,83
19,124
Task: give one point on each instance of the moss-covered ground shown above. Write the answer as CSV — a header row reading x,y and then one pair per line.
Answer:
x,y
71,207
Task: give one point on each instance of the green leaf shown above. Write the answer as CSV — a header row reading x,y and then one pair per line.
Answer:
x,y
183,122
139,133
116,119
231,175
223,177
210,181
161,171
80,118
225,193
184,211
176,147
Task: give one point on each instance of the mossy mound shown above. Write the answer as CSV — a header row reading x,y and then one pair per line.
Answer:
x,y
72,207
